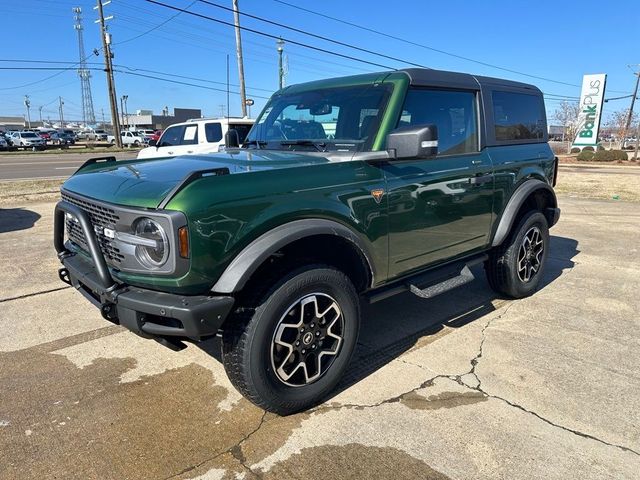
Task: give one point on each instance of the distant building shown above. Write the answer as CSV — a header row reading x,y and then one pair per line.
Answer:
x,y
12,123
146,118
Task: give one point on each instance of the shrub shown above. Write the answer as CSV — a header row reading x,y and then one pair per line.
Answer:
x,y
586,156
609,156
588,149
575,150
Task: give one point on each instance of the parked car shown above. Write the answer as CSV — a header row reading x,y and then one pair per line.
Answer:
x,y
148,133
28,140
344,190
3,143
101,135
196,137
7,138
129,139
62,138
156,136
45,135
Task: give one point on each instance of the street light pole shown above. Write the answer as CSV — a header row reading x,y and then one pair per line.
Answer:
x,y
280,44
60,104
27,104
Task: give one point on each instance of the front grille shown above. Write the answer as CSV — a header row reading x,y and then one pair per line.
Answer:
x,y
100,217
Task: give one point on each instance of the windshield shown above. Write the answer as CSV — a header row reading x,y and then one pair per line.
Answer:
x,y
337,119
29,135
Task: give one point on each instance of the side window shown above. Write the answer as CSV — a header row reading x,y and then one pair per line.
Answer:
x,y
172,136
242,129
453,112
213,132
518,116
190,136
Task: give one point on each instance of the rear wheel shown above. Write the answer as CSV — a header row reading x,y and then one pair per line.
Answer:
x,y
292,349
515,268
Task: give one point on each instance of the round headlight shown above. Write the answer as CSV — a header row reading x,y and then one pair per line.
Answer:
x,y
151,256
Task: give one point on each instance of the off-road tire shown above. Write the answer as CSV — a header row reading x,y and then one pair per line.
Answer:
x,y
501,267
248,337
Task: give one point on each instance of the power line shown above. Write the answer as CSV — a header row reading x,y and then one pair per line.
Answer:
x,y
157,26
275,37
180,82
320,37
188,78
427,47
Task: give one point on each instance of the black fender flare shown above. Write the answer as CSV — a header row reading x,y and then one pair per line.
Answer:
x,y
239,271
515,202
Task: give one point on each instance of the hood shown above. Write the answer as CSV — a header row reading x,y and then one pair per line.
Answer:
x,y
145,183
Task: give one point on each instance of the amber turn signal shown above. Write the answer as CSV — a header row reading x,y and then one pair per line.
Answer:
x,y
183,242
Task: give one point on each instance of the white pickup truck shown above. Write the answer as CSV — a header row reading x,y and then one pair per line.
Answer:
x,y
129,139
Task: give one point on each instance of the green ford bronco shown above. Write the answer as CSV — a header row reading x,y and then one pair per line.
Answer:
x,y
345,190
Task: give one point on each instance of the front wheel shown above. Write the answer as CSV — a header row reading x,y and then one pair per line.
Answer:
x,y
292,349
515,268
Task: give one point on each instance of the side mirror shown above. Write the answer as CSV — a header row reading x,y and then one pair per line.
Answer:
x,y
232,139
419,141
152,142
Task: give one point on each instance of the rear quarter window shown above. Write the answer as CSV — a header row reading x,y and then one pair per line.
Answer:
x,y
213,132
518,117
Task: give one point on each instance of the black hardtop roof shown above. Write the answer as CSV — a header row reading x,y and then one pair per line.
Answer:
x,y
428,77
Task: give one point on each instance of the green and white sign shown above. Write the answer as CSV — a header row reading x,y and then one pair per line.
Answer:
x,y
591,100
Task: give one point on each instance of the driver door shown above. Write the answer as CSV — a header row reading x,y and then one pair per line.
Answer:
x,y
439,208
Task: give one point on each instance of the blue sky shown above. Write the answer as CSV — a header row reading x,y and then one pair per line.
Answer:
x,y
556,40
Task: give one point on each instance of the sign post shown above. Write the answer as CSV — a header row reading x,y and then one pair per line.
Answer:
x,y
591,100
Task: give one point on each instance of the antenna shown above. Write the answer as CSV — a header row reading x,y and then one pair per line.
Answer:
x,y
88,116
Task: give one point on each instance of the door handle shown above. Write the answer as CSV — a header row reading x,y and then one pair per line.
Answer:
x,y
189,151
481,179
170,153
476,162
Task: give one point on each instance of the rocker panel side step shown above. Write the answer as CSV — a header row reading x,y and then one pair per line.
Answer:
x,y
429,292
432,282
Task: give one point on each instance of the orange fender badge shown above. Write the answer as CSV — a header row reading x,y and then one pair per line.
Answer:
x,y
377,194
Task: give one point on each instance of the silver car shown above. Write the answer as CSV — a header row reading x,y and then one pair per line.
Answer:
x,y
27,140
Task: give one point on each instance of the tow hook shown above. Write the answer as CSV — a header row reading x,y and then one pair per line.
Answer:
x,y
63,273
109,312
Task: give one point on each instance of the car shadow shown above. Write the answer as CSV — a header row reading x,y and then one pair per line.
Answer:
x,y
12,219
393,326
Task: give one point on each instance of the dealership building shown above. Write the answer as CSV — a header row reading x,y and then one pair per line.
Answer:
x,y
146,118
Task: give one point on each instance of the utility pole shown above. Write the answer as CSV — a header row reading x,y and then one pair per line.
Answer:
x,y
280,45
108,68
104,124
630,114
243,95
40,111
126,110
60,111
123,110
27,103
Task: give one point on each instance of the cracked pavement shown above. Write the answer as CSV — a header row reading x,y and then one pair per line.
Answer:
x,y
463,386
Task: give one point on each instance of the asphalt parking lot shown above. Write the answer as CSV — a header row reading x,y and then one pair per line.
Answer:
x,y
463,386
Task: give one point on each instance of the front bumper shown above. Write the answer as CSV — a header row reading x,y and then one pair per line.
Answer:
x,y
159,315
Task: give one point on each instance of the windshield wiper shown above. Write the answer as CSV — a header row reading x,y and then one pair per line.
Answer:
x,y
320,146
258,143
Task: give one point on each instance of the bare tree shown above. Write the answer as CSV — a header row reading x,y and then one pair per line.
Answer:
x,y
618,121
567,114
